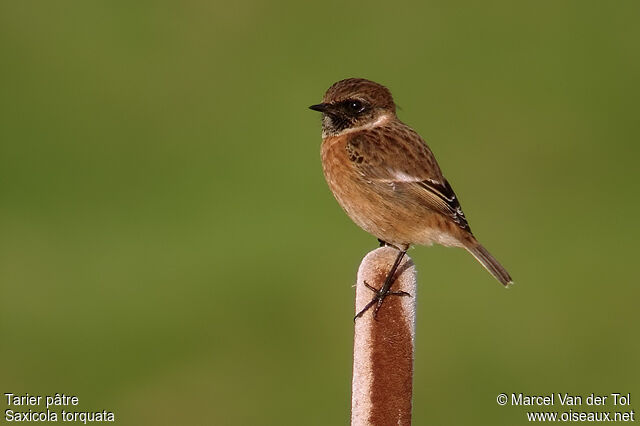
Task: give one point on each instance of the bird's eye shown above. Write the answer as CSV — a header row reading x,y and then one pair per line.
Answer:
x,y
356,106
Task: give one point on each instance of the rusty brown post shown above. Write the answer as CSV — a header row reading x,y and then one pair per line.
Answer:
x,y
383,346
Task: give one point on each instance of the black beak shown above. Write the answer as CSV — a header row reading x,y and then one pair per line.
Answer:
x,y
320,107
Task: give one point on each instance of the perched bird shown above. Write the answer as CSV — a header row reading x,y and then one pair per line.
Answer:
x,y
387,179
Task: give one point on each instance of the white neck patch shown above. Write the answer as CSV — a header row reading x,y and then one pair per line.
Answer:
x,y
381,121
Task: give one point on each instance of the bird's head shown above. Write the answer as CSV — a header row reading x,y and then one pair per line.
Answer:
x,y
354,103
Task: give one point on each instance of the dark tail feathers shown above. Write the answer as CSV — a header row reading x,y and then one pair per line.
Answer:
x,y
490,263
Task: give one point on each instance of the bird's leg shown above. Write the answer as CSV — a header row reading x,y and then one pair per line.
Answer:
x,y
382,243
385,290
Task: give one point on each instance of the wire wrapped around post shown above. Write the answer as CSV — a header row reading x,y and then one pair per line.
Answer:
x,y
382,384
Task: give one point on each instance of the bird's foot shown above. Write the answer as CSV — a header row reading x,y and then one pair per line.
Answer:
x,y
380,295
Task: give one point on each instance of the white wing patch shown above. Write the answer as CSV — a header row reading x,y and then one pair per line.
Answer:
x,y
399,176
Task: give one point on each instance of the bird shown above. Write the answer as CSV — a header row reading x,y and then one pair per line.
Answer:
x,y
387,180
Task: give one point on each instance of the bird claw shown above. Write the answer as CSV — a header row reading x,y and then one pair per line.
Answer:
x,y
378,299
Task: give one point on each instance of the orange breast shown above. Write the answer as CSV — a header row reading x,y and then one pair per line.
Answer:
x,y
364,201
376,206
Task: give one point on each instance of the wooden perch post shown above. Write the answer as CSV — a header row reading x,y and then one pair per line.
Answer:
x,y
383,346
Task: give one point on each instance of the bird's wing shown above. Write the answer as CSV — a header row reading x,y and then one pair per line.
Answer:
x,y
399,157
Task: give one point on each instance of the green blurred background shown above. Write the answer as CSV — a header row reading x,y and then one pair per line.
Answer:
x,y
169,250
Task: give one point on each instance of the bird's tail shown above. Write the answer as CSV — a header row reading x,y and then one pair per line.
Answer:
x,y
489,262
